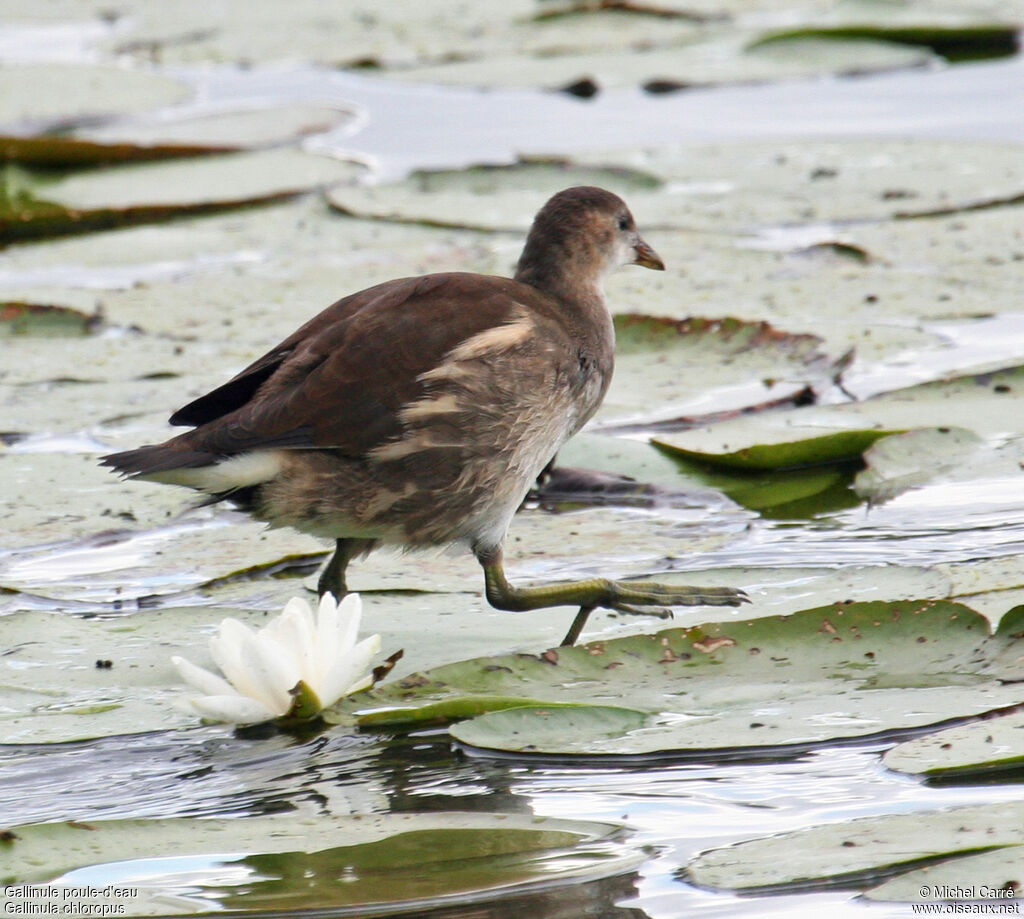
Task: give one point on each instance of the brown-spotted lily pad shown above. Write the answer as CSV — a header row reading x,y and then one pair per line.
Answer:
x,y
813,677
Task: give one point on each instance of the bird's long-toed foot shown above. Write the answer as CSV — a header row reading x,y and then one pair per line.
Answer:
x,y
634,597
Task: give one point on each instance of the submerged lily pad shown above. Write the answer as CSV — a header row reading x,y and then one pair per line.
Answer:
x,y
34,204
992,745
378,864
858,853
820,675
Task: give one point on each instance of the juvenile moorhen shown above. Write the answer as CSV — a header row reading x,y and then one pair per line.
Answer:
x,y
420,411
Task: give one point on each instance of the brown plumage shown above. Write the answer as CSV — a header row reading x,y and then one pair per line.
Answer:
x,y
419,412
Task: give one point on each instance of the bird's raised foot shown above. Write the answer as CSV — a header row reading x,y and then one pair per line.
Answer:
x,y
646,597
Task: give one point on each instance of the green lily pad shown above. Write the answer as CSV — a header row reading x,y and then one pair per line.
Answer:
x,y
596,469
968,41
992,745
44,319
983,403
787,494
34,204
51,690
855,853
166,138
379,864
542,728
994,878
841,447
749,187
902,461
816,676
40,94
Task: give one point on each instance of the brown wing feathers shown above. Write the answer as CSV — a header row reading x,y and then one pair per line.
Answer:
x,y
341,380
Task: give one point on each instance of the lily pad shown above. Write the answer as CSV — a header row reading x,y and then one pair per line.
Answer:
x,y
802,493
856,853
983,403
534,728
44,320
789,194
992,745
376,864
902,461
841,447
719,59
35,204
41,94
492,43
166,138
816,676
967,41
483,197
994,878
52,691
140,528
700,366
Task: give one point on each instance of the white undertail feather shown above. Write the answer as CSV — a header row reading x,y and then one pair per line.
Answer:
x,y
235,472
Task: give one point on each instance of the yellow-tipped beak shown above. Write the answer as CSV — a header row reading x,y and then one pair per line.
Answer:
x,y
647,257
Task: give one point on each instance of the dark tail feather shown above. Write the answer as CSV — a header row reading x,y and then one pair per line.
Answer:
x,y
156,458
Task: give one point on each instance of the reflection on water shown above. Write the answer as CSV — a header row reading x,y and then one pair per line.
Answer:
x,y
678,810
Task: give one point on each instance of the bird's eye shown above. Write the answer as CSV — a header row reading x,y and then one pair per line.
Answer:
x,y
623,222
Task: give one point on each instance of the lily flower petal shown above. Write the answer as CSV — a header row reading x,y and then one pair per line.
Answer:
x,y
226,650
299,617
234,650
199,677
316,655
234,709
348,674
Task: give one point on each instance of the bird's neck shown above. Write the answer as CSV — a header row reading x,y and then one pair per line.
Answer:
x,y
571,287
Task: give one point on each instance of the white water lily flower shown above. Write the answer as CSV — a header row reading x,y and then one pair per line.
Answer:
x,y
295,666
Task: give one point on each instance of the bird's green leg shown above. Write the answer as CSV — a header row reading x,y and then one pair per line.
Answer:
x,y
332,578
640,597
